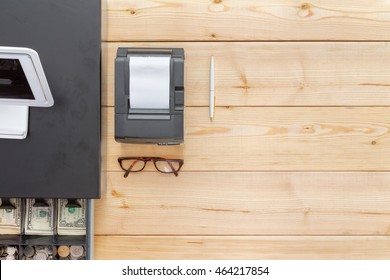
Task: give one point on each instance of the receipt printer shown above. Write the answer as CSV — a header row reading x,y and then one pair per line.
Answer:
x,y
149,96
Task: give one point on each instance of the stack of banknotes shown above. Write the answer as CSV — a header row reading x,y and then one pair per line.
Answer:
x,y
48,218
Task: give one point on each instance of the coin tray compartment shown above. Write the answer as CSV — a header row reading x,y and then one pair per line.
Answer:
x,y
52,252
21,240
4,252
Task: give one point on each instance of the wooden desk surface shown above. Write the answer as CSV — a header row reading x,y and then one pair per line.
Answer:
x,y
294,165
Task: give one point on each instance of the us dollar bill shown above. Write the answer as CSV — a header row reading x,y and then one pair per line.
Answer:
x,y
10,218
39,220
71,220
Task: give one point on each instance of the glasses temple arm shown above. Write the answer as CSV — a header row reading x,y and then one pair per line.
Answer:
x,y
173,169
129,170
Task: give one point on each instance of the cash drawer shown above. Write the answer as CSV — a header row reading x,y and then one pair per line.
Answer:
x,y
46,232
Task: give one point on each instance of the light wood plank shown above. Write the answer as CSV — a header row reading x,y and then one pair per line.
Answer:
x,y
266,139
244,203
257,74
244,248
276,74
194,20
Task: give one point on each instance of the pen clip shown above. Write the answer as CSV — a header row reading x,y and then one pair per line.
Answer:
x,y
214,107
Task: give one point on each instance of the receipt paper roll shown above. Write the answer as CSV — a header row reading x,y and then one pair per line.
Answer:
x,y
149,82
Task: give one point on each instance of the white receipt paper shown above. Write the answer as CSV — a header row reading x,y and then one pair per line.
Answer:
x,y
149,82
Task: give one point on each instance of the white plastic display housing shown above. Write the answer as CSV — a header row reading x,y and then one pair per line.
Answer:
x,y
14,112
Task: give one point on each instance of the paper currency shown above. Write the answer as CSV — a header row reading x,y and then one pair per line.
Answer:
x,y
39,220
71,220
10,218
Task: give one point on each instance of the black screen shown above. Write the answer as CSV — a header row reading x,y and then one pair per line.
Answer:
x,y
13,81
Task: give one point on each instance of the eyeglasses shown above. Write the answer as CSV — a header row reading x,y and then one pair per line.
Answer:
x,y
137,164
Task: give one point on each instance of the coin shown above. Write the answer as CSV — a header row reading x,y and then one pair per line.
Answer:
x,y
11,250
10,257
63,259
41,255
38,247
54,250
29,251
63,251
76,251
49,250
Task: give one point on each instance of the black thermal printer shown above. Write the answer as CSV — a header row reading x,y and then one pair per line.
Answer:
x,y
149,96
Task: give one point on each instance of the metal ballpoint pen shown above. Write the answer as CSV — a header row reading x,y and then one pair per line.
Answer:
x,y
212,94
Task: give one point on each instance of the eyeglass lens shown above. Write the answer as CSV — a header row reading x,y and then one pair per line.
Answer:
x,y
167,166
133,165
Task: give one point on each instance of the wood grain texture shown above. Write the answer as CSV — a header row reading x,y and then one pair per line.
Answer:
x,y
276,74
248,189
244,203
232,248
204,20
269,139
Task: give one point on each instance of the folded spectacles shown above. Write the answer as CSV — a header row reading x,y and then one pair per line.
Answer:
x,y
137,164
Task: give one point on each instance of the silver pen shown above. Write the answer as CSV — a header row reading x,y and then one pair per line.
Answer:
x,y
212,94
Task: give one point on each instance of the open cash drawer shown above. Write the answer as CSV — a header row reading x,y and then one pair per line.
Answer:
x,y
70,235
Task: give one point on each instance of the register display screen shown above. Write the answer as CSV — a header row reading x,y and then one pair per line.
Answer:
x,y
13,81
